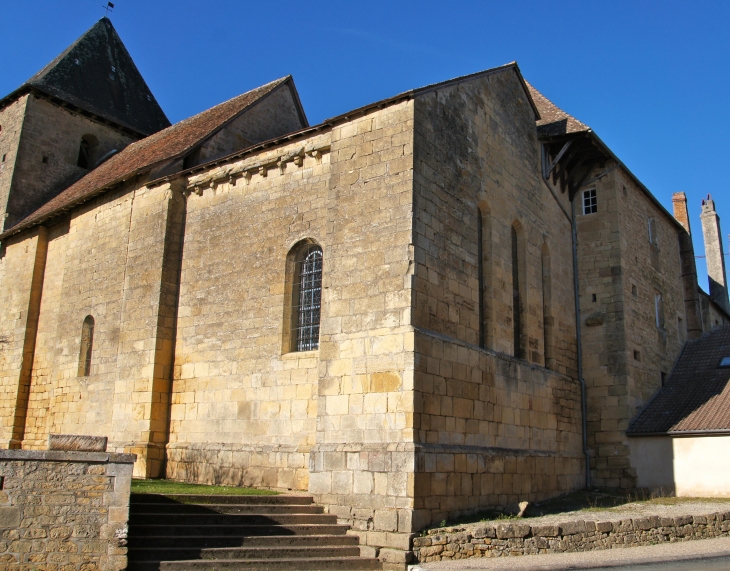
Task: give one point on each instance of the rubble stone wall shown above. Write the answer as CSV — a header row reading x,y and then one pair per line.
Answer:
x,y
525,539
64,511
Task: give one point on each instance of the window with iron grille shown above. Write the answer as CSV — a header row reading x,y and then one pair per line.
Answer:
x,y
307,298
590,203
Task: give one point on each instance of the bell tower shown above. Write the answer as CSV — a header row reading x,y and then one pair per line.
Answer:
x,y
84,106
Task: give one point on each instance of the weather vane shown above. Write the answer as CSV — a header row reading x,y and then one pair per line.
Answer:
x,y
109,6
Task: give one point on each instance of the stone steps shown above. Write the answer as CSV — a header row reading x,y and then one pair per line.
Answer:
x,y
204,542
206,519
186,532
197,499
268,552
162,509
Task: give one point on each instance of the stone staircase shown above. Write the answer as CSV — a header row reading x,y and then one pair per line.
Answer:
x,y
191,532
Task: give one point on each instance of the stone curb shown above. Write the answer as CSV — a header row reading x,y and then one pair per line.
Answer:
x,y
576,535
66,456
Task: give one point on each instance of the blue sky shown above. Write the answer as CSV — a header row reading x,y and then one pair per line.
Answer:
x,y
651,78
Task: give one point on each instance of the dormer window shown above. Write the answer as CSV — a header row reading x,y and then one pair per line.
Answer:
x,y
724,362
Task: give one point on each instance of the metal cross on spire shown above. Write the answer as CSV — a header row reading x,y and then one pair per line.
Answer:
x,y
109,6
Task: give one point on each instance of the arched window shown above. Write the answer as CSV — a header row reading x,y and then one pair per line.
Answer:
x,y
87,151
303,315
484,260
547,317
87,341
518,290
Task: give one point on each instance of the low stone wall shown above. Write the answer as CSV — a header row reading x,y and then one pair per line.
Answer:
x,y
64,511
579,535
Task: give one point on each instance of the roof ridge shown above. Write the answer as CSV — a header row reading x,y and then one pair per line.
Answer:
x,y
165,145
97,74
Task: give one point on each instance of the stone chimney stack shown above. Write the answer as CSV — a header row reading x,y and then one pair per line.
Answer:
x,y
679,201
714,253
692,306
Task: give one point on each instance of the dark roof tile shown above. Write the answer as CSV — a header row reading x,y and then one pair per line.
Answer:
x,y
553,120
696,397
168,144
97,74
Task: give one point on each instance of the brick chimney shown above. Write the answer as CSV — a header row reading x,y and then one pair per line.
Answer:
x,y
679,201
714,253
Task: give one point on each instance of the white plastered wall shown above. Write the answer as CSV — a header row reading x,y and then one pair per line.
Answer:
x,y
690,466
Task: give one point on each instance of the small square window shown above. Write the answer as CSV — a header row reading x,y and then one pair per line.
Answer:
x,y
594,298
724,362
4,157
637,356
590,203
664,377
44,160
634,291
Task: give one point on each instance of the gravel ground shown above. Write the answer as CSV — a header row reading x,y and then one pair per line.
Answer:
x,y
602,558
625,511
694,551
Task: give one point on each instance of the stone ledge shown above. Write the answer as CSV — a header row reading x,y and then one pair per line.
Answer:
x,y
67,456
519,538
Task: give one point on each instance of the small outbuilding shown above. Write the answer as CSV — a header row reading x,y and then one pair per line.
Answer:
x,y
681,440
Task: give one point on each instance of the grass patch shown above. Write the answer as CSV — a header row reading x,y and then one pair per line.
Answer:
x,y
170,487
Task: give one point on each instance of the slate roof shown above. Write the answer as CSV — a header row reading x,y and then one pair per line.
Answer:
x,y
696,398
171,143
553,120
97,74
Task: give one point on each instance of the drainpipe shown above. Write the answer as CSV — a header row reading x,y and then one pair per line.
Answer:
x,y
579,348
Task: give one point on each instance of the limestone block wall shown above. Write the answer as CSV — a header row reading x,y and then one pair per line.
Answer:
x,y
22,263
243,411
111,261
493,166
271,117
712,315
64,510
11,124
492,430
360,465
55,133
624,351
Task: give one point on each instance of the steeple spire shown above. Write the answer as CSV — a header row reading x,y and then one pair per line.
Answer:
x,y
97,74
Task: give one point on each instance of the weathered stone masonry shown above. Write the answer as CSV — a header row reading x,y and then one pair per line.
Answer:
x,y
64,511
508,539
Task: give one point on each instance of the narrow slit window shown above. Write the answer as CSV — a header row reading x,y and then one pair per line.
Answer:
x,y
87,342
659,309
518,292
308,298
590,202
653,238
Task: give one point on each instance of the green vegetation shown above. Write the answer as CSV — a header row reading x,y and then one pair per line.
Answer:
x,y
170,487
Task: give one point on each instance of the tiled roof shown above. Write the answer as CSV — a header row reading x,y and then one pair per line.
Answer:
x,y
696,397
97,74
554,121
167,144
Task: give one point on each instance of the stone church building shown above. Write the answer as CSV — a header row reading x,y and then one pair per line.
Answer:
x,y
455,298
